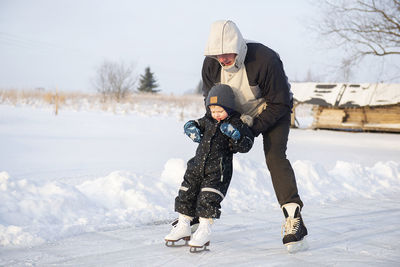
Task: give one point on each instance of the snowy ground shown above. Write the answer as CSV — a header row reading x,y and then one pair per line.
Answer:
x,y
92,188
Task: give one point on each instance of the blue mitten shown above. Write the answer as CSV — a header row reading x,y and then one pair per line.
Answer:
x,y
230,131
191,129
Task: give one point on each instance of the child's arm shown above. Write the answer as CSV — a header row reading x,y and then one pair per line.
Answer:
x,y
241,136
201,124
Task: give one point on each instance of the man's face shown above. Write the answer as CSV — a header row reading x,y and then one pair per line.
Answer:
x,y
226,59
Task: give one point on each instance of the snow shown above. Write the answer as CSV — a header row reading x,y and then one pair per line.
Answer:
x,y
96,188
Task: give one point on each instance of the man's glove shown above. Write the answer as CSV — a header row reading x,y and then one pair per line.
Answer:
x,y
247,119
230,131
191,129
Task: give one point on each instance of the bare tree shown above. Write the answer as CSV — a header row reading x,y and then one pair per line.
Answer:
x,y
346,72
362,27
311,77
115,79
199,88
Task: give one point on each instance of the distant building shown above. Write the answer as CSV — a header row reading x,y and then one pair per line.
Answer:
x,y
363,107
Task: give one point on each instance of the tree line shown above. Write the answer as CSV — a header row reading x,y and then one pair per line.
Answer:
x,y
117,80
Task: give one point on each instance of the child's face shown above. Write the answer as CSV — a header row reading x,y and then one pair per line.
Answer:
x,y
218,113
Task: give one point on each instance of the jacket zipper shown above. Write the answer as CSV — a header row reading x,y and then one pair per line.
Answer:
x,y
221,167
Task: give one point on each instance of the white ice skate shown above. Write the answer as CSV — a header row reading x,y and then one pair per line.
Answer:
x,y
181,230
294,229
201,238
194,224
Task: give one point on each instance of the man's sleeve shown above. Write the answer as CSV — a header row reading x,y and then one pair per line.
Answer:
x,y
276,90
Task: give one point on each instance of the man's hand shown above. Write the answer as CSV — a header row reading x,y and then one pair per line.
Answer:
x,y
230,131
192,130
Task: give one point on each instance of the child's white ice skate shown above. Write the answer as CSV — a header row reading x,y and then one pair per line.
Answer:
x,y
181,230
201,238
194,224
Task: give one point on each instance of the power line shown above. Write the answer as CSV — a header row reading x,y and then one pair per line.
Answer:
x,y
14,40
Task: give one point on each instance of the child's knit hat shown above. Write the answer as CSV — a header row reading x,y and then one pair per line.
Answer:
x,y
222,95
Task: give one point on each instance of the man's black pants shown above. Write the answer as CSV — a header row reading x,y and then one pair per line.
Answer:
x,y
283,178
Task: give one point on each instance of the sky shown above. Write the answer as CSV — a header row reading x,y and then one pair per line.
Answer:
x,y
60,43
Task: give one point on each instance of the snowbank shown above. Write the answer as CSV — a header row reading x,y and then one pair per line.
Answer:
x,y
34,212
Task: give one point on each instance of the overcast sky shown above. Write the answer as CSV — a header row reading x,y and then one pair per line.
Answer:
x,y
49,43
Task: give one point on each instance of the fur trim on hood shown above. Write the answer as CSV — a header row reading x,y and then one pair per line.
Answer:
x,y
225,38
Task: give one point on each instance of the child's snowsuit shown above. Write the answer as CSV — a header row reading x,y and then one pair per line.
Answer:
x,y
209,173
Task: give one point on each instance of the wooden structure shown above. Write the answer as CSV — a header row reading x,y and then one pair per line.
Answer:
x,y
377,118
357,107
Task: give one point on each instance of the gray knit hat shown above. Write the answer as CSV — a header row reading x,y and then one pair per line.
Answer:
x,y
222,95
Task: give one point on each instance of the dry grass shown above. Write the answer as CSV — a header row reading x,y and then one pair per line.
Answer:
x,y
15,96
159,103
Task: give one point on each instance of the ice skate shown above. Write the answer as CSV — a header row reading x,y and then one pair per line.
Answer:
x,y
194,224
180,231
293,229
201,238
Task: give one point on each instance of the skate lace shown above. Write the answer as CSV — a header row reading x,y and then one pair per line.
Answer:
x,y
290,226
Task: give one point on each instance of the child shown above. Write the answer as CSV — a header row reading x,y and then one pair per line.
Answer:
x,y
220,134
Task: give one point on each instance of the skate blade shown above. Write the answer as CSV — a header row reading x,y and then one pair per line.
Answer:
x,y
172,243
197,249
295,247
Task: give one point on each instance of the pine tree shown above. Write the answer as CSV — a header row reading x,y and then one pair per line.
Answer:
x,y
147,82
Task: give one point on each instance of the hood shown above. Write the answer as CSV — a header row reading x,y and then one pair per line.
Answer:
x,y
225,38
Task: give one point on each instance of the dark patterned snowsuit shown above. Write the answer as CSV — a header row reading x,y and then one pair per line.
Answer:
x,y
209,173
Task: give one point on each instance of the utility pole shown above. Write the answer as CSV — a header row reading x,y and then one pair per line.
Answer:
x,y
56,101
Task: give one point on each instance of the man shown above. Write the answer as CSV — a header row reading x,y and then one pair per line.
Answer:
x,y
256,75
